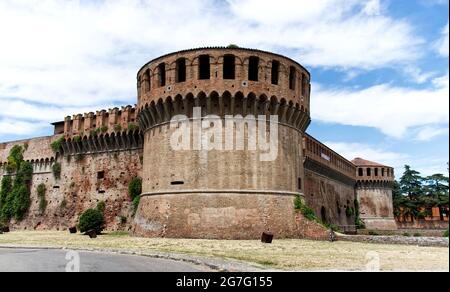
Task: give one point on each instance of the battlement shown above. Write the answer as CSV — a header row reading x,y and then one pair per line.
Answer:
x,y
224,70
318,152
369,172
101,122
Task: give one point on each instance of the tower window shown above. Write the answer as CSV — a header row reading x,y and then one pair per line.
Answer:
x,y
100,175
162,74
292,77
181,70
382,172
360,172
229,67
147,81
305,84
376,171
275,72
299,182
204,68
253,68
369,172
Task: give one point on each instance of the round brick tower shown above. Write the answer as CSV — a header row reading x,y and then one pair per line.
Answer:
x,y
374,184
230,193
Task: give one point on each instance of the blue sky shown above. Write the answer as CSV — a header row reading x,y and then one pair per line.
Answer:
x,y
379,67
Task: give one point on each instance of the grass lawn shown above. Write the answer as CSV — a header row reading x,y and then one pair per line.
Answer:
x,y
282,254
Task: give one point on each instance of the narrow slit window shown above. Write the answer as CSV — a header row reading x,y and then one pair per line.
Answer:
x,y
369,172
299,183
181,70
360,172
177,183
275,72
376,171
229,67
292,77
162,74
204,68
253,68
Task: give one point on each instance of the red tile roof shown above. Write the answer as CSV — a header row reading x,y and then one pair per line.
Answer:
x,y
362,162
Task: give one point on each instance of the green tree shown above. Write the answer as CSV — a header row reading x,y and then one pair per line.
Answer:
x,y
411,183
437,191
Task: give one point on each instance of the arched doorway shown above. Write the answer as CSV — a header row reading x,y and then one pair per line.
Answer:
x,y
323,215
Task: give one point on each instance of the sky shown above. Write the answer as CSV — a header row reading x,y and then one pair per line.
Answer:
x,y
380,68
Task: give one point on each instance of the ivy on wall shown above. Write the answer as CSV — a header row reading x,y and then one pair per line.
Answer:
x,y
15,186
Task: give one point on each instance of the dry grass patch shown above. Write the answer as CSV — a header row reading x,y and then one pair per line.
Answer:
x,y
282,254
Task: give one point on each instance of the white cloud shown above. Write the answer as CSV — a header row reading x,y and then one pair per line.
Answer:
x,y
17,127
74,55
417,75
378,153
442,45
368,152
427,133
392,110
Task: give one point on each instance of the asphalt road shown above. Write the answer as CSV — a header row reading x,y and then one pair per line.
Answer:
x,y
34,260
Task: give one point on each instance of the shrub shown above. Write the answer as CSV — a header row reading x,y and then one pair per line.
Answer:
x,y
57,144
22,201
42,201
76,139
117,128
233,46
445,233
56,169
6,188
406,234
417,235
123,220
15,157
135,188
307,212
133,127
101,206
349,212
136,202
373,233
92,219
94,133
104,129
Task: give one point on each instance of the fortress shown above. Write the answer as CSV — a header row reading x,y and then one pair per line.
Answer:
x,y
201,193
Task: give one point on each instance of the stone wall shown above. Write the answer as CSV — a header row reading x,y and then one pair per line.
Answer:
x,y
376,207
222,216
85,180
324,193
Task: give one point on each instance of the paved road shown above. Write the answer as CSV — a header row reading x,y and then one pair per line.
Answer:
x,y
34,260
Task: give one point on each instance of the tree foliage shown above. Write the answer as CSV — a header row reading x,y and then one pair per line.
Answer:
x,y
414,195
92,219
15,187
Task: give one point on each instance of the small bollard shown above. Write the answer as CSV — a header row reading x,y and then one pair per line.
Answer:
x,y
92,233
267,237
73,230
332,236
